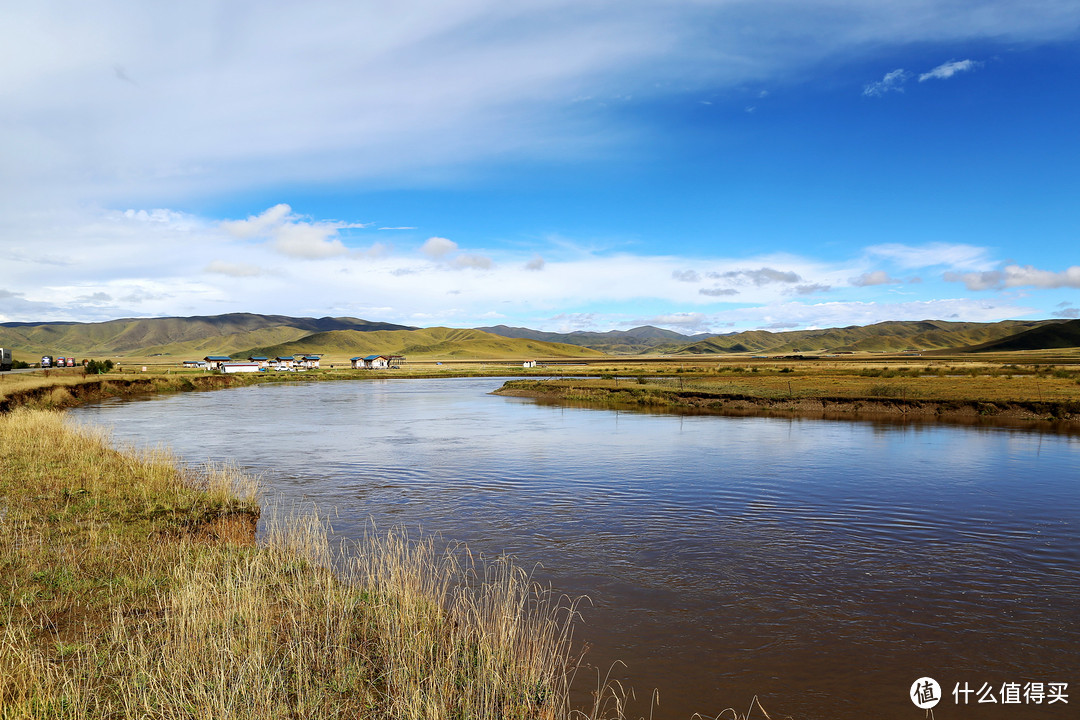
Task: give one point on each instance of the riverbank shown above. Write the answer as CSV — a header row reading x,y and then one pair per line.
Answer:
x,y
131,588
1050,403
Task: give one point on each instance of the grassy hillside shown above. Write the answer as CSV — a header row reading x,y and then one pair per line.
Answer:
x,y
227,344
175,335
436,342
1045,337
881,337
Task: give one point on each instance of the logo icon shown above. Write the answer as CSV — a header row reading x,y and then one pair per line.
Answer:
x,y
925,693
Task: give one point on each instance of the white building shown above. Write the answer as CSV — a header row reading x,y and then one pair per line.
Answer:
x,y
239,367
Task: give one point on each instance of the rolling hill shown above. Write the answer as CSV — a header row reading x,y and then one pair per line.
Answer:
x,y
171,336
881,337
438,342
1045,337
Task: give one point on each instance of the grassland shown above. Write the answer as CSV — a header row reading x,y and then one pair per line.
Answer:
x,y
1044,394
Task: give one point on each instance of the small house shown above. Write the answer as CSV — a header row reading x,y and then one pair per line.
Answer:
x,y
262,360
213,362
194,364
285,361
311,362
371,362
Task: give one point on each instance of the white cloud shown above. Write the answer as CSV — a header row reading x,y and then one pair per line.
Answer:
x,y
689,322
536,262
1012,276
233,269
877,277
438,247
306,241
261,225
811,289
842,314
763,276
892,82
196,265
473,261
291,234
947,70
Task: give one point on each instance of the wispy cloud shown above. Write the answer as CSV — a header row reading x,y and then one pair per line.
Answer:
x,y
892,82
957,256
895,80
947,70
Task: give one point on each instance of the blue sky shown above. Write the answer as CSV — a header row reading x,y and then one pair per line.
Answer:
x,y
705,166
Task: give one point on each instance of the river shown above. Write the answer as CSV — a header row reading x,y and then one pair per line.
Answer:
x,y
823,566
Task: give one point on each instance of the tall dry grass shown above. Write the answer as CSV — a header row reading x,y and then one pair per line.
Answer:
x,y
121,597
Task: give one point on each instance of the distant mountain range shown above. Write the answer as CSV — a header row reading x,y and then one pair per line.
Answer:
x,y
243,334
638,341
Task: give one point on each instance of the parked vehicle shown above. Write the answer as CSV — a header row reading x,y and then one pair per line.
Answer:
x,y
46,361
5,359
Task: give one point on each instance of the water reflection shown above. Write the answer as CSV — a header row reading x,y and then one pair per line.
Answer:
x,y
822,565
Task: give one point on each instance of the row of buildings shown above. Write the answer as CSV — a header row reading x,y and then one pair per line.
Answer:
x,y
256,363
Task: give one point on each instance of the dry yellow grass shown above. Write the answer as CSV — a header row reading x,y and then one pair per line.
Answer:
x,y
943,382
131,589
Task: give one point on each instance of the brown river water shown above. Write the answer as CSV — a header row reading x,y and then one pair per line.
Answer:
x,y
822,566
